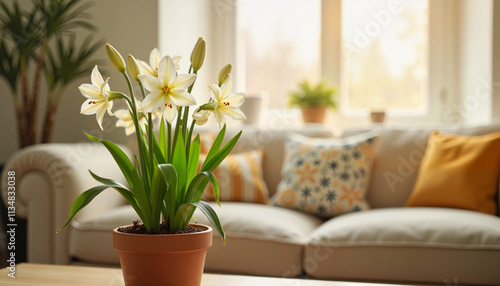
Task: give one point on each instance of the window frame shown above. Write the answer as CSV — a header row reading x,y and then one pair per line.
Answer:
x,y
442,57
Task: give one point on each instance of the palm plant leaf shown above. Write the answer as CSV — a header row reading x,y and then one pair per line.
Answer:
x,y
65,63
9,66
62,15
22,28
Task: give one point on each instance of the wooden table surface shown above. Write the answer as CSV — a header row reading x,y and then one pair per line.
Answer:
x,y
54,275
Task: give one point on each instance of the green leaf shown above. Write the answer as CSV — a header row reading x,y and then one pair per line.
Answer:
x,y
171,196
212,217
158,191
180,164
194,159
163,140
124,191
130,173
181,220
214,162
198,184
217,143
196,189
158,155
83,200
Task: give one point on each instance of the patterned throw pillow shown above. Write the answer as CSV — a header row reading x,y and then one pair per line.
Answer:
x,y
326,177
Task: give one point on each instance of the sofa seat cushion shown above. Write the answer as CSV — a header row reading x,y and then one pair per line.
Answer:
x,y
261,239
430,245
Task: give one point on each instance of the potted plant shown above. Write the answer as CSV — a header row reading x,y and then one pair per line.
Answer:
x,y
313,100
40,44
165,185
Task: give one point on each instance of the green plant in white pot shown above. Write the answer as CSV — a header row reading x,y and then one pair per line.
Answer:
x,y
313,100
165,186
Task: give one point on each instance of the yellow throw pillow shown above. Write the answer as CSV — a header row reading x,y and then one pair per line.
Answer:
x,y
240,178
459,172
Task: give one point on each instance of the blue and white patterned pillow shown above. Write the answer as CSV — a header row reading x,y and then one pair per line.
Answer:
x,y
326,177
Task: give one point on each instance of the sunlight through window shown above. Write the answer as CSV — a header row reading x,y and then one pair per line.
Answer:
x,y
385,54
281,45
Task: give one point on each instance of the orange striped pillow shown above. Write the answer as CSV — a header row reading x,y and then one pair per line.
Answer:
x,y
240,178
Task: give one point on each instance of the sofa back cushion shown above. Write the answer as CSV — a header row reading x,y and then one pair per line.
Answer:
x,y
398,156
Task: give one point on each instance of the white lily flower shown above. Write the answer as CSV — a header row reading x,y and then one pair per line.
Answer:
x,y
125,119
97,97
201,116
168,90
227,103
154,62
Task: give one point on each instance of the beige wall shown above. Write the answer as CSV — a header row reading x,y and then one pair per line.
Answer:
x,y
131,26
475,58
179,32
496,61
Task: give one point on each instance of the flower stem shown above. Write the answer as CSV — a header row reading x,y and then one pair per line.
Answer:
x,y
150,135
187,140
190,135
140,142
169,141
176,131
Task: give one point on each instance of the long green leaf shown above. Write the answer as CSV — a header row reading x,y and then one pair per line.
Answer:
x,y
198,184
212,217
81,201
170,177
214,162
130,174
159,155
163,140
196,189
124,191
158,191
194,158
180,164
217,143
182,217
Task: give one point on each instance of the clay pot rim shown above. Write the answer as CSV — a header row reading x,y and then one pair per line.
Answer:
x,y
207,229
154,243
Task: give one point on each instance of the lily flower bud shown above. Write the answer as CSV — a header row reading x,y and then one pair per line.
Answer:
x,y
115,58
133,67
198,54
201,116
224,73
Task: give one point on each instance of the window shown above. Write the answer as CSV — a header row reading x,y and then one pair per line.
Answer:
x,y
384,51
385,55
280,44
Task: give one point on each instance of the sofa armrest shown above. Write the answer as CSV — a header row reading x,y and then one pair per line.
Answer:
x,y
48,178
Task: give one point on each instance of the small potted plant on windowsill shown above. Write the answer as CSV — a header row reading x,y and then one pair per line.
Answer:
x,y
165,186
313,100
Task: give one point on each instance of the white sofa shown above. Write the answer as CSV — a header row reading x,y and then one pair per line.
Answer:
x,y
388,243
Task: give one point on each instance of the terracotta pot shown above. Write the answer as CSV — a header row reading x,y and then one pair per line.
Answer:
x,y
163,259
377,116
313,114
